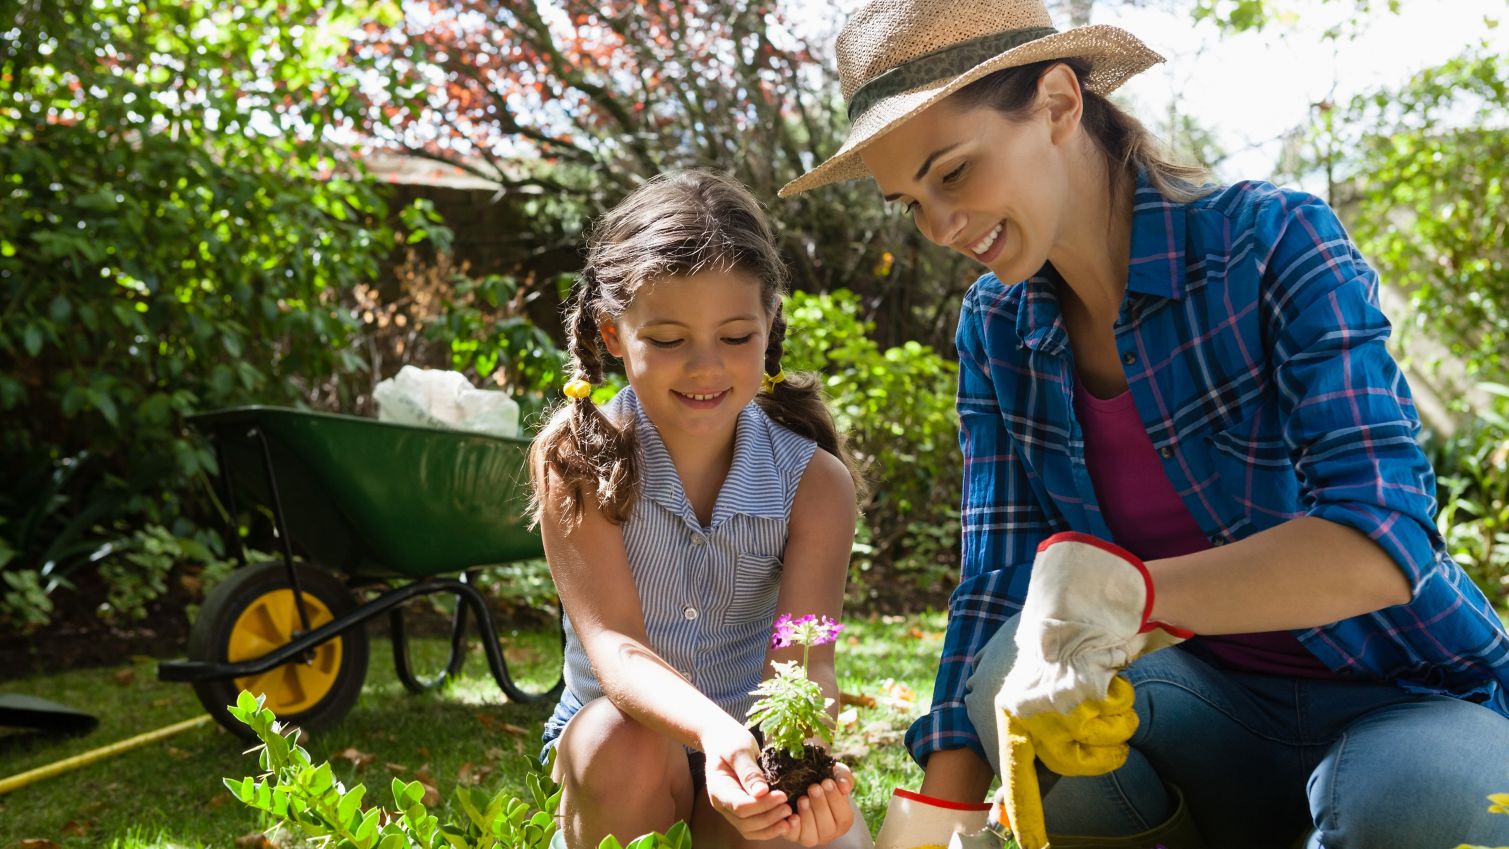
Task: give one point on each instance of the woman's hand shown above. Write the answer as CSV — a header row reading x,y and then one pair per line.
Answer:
x,y
825,814
737,789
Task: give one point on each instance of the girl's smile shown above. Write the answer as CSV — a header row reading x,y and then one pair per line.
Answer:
x,y
694,350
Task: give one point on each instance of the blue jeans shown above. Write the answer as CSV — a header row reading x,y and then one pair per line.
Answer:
x,y
1263,760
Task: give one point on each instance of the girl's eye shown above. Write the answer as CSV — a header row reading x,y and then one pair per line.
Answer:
x,y
954,175
664,343
738,340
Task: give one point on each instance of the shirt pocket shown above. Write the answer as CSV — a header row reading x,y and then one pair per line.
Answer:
x,y
1256,475
757,582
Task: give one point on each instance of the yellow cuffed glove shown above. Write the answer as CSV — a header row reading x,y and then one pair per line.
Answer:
x,y
1091,739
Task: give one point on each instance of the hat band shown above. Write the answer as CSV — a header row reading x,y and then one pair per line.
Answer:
x,y
942,64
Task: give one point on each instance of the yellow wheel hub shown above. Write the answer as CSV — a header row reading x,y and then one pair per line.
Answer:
x,y
269,622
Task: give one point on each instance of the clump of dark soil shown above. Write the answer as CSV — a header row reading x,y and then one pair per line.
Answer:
x,y
795,775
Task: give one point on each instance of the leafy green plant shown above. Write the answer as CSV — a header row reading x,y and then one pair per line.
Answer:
x,y
1472,468
172,240
897,407
792,708
305,798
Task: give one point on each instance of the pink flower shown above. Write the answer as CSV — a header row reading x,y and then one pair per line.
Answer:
x,y
807,631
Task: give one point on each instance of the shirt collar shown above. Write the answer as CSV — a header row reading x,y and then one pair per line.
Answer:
x,y
1156,268
754,462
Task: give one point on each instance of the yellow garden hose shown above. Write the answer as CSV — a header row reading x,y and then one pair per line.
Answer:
x,y
20,780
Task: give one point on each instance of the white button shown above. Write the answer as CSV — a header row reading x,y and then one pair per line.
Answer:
x,y
697,538
689,612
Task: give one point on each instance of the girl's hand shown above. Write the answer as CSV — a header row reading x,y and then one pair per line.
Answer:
x,y
737,789
825,812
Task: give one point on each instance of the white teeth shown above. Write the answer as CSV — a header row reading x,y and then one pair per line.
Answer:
x,y
695,397
984,244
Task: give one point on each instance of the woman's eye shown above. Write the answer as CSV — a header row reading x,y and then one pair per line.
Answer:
x,y
664,343
738,340
954,175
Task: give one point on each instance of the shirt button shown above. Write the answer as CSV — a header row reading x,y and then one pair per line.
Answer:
x,y
1129,358
1217,539
697,538
1166,451
689,612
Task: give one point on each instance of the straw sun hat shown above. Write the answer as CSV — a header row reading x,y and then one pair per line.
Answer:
x,y
898,57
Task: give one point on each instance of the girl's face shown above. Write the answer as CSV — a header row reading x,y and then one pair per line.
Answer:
x,y
989,187
694,349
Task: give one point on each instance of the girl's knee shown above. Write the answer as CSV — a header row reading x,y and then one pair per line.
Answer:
x,y
602,745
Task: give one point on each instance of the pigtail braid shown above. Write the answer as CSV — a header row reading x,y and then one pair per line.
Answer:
x,y
799,405
581,451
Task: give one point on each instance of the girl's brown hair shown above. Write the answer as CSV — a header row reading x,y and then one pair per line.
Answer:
x,y
1127,145
675,225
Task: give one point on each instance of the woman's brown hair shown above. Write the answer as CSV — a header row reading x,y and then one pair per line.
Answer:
x,y
1128,146
675,225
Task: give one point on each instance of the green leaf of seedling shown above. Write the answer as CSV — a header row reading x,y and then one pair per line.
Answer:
x,y
610,842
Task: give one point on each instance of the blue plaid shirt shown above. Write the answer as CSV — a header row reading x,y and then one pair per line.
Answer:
x,y
1252,341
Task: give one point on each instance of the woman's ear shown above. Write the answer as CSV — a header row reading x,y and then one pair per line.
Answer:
x,y
1059,93
609,331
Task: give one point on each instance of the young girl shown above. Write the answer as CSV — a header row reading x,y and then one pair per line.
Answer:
x,y
680,518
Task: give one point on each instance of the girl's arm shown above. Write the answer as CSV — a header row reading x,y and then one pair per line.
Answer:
x,y
816,563
591,572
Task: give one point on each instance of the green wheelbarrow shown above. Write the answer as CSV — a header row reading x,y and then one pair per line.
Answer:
x,y
401,510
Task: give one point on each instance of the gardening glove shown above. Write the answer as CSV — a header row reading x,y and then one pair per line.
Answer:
x,y
915,821
1091,739
1085,619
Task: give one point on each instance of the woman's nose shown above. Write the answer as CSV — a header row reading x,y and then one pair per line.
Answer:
x,y
942,223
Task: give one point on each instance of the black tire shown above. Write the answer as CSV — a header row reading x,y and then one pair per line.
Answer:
x,y
311,694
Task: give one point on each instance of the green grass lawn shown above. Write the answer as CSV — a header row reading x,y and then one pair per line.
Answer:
x,y
169,793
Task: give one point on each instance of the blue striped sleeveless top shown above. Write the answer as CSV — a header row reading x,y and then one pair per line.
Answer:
x,y
708,594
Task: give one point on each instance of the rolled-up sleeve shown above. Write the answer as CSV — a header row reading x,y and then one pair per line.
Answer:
x,y
1348,418
1002,524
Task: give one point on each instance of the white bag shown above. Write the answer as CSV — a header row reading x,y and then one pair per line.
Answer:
x,y
445,399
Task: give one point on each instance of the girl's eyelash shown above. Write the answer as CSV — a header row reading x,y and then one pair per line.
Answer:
x,y
664,343
738,340
953,175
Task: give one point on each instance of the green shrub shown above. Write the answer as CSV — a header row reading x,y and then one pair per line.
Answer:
x,y
169,243
1472,469
897,408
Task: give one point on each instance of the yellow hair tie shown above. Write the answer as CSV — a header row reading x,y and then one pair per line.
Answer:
x,y
578,389
768,382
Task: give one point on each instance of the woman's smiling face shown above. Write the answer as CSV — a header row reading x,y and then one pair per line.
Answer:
x,y
978,182
693,349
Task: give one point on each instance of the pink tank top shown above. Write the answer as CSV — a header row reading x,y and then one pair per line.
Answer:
x,y
1147,518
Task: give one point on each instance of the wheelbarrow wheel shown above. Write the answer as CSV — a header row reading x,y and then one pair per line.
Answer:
x,y
252,613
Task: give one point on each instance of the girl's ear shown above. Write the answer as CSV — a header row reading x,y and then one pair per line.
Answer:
x,y
609,331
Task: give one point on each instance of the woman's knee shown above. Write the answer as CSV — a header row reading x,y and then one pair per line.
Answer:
x,y
991,664
1416,774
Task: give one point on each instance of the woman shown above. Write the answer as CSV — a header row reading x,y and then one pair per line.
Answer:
x,y
1195,377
